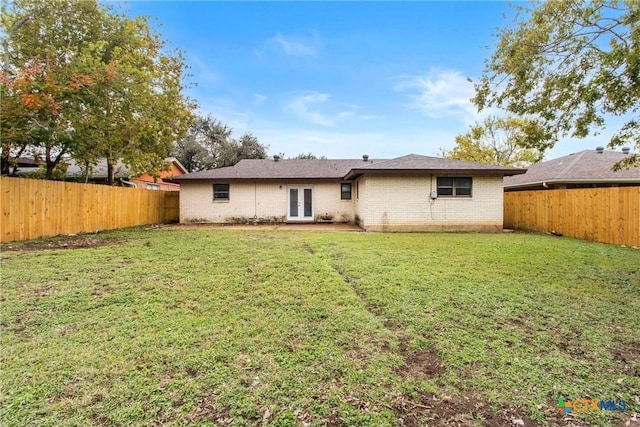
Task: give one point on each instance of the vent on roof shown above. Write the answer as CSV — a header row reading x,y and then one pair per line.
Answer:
x,y
276,157
365,157
599,150
626,150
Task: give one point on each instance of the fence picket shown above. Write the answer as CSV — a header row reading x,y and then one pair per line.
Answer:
x,y
607,214
33,208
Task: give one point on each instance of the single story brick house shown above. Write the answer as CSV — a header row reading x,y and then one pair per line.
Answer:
x,y
409,193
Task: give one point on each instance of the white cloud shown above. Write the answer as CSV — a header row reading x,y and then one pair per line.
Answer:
x,y
258,98
305,107
342,114
297,45
441,93
317,108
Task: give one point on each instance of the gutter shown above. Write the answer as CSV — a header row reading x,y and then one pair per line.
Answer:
x,y
355,173
125,182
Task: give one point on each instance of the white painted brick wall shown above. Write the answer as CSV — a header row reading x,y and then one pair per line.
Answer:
x,y
262,201
384,203
403,203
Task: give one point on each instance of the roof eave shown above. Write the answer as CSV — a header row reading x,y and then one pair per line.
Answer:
x,y
315,178
355,173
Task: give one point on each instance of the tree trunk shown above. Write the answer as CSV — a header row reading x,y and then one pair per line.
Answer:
x,y
5,163
50,167
110,172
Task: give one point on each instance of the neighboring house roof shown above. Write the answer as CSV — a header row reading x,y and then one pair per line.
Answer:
x,y
99,171
177,163
584,167
27,161
343,169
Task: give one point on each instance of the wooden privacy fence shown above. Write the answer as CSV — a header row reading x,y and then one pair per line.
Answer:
x,y
608,214
35,208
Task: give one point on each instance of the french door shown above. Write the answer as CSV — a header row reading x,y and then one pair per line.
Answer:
x,y
300,204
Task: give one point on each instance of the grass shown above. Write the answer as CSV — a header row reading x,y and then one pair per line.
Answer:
x,y
141,327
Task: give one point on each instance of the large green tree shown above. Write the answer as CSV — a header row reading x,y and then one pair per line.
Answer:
x,y
571,64
41,83
209,144
506,141
119,88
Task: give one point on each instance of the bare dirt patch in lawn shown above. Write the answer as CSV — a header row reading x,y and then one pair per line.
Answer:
x,y
428,409
628,358
63,242
207,410
420,364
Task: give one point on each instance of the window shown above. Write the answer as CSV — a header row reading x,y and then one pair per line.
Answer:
x,y
345,191
220,191
153,187
454,187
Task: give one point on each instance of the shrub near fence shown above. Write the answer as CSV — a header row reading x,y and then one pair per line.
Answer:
x,y
35,208
608,214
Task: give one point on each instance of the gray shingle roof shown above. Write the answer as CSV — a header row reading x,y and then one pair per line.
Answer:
x,y
282,169
342,169
582,167
121,170
99,170
418,163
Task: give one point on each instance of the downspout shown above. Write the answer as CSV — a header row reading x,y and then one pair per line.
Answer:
x,y
255,200
125,182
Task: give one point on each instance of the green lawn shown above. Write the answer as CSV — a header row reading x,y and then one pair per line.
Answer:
x,y
278,328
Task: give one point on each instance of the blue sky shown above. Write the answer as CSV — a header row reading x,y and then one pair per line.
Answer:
x,y
338,79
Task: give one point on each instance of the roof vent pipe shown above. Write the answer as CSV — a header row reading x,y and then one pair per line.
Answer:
x,y
599,150
276,157
365,157
626,150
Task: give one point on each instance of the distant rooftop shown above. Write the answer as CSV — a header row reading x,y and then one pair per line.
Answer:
x,y
588,166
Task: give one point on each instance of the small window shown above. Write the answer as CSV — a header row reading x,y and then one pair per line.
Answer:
x,y
220,191
153,187
345,191
454,187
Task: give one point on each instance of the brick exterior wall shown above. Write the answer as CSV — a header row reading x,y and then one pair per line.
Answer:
x,y
143,180
259,202
379,203
403,203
